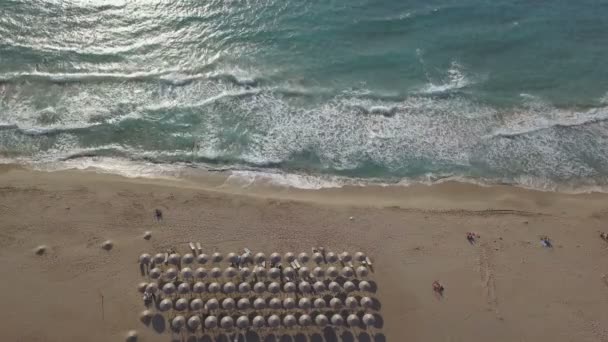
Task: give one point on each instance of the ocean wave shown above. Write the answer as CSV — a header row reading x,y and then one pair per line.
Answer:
x,y
455,79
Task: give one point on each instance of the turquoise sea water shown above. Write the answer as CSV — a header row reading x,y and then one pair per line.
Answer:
x,y
386,90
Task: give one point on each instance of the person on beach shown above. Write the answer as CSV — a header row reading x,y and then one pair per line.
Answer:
x,y
438,288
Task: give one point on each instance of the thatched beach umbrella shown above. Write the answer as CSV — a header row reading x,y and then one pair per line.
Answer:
x,y
242,322
196,304
194,322
183,288
146,316
211,322
274,288
317,257
304,303
159,258
259,287
174,259
305,320
360,256
289,272
245,272
345,257
353,320
259,304
289,287
351,303
243,304
335,303
304,272
232,258
152,288
216,257
319,287
186,273
181,304
274,273
227,322
213,288
155,273
259,258
187,259
145,259
165,305
289,321
349,286
275,258
169,288
230,272
141,287
258,322
178,322
260,272
202,259
289,303
275,303
365,286
244,287
170,273
318,272
332,272
331,257
201,273
366,302
304,287
199,287
274,321
290,257
362,271
229,287
334,287
321,320
337,320
319,303
216,272
228,304
212,304
347,272
303,257
369,320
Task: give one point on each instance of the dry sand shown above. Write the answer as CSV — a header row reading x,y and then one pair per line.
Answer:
x,y
507,288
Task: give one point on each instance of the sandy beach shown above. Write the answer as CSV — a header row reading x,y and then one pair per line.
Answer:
x,y
507,287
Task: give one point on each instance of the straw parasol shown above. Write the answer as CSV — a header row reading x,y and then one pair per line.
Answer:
x,y
229,287
146,316
141,287
304,287
202,259
318,272
321,320
199,287
335,303
196,304
228,304
227,322
243,304
259,258
242,322
289,303
216,272
245,272
259,304
303,257
319,287
275,303
186,273
366,302
365,286
305,320
181,304
211,322
274,273
194,322
345,257
369,319
304,272
260,272
212,304
274,288
152,288
348,272
258,322
107,245
319,303
331,257
159,258
351,302
259,287
290,257
170,273
145,259
275,258
178,322
232,258
332,272
187,259
213,288
147,235
201,273
337,320
304,303
216,257
274,321
244,287
155,273
174,259
334,287
169,289
289,287
183,288
352,320
165,305
289,321
317,258
289,272
230,272
362,271
349,286
360,256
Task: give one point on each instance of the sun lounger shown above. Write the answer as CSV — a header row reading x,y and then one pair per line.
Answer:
x,y
199,247
192,248
368,261
166,258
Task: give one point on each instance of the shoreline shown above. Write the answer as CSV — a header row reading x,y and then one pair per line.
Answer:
x,y
506,287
